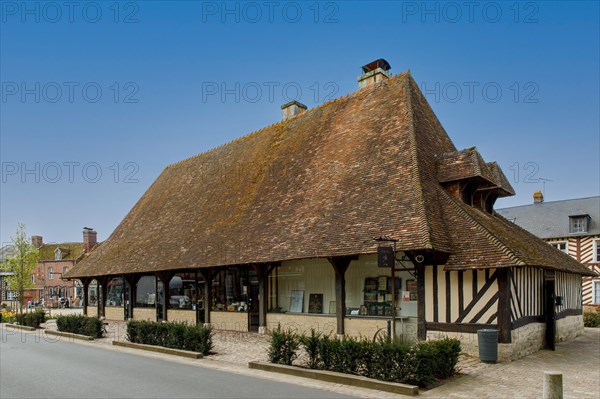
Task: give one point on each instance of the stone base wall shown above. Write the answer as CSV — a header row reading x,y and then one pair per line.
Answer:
x,y
569,327
468,341
111,313
233,321
144,314
185,316
302,324
92,311
525,341
363,327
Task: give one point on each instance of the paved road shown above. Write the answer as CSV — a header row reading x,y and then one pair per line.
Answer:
x,y
42,369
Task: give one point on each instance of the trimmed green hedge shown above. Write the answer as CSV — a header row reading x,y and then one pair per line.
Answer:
x,y
171,335
421,364
79,324
591,319
31,319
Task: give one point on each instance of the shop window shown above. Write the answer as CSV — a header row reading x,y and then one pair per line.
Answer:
x,y
304,286
93,294
183,291
145,296
115,292
231,289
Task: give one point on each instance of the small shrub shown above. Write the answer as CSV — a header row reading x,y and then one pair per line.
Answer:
x,y
31,319
80,324
311,346
171,335
591,319
284,346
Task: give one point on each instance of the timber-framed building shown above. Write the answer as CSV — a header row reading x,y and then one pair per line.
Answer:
x,y
277,227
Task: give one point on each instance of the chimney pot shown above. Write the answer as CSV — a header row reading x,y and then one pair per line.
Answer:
x,y
37,241
292,109
374,72
89,239
538,197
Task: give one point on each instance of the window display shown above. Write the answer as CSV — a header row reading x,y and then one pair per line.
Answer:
x,y
145,296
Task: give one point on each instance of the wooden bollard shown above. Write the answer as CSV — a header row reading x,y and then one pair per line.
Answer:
x,y
553,385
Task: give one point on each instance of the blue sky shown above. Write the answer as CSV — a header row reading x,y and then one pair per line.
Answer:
x,y
97,98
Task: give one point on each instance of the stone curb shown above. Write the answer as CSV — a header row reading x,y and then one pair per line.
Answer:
x,y
26,328
337,378
69,335
159,349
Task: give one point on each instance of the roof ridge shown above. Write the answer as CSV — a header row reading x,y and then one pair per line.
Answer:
x,y
302,115
551,202
416,177
499,244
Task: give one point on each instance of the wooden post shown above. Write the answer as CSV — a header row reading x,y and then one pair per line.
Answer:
x,y
104,291
421,326
85,282
340,265
132,280
504,306
208,275
165,277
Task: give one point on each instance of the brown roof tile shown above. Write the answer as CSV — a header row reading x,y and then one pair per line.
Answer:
x,y
320,184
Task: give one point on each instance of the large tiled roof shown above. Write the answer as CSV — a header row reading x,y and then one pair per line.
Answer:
x,y
551,219
321,184
70,251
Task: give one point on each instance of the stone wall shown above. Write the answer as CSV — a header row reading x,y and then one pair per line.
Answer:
x,y
525,341
302,324
233,321
112,313
92,311
186,316
569,327
468,341
145,314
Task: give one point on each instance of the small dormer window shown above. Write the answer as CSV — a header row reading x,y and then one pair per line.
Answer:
x,y
578,224
57,254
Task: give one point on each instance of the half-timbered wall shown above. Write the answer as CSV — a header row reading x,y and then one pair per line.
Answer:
x,y
464,297
526,293
584,250
568,286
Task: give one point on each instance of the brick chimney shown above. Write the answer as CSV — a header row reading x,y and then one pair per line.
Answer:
x,y
37,241
374,72
89,239
292,109
538,197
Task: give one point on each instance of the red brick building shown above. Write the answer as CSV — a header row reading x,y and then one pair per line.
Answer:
x,y
55,260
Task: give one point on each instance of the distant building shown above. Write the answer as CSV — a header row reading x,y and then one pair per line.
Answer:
x,y
5,252
572,226
56,259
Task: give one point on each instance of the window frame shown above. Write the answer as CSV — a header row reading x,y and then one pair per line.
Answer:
x,y
556,243
50,273
574,220
595,299
596,251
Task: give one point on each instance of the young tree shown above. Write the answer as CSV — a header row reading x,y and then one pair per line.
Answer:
x,y
22,263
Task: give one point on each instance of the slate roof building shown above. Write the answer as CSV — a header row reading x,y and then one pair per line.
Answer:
x,y
277,227
572,226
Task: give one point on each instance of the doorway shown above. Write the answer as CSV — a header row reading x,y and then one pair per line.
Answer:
x,y
549,308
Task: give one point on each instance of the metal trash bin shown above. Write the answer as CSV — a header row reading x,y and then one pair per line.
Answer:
x,y
488,345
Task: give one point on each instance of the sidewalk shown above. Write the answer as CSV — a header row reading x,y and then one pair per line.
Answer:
x,y
578,360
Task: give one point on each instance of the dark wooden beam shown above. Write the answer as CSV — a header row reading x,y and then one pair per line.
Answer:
x,y
132,280
420,275
85,282
207,274
165,277
504,306
340,265
262,272
458,327
103,282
